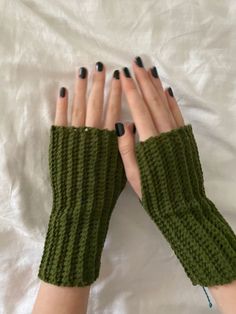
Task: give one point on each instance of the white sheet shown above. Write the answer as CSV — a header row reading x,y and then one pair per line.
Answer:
x,y
193,46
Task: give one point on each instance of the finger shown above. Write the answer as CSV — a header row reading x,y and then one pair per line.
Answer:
x,y
96,98
154,76
126,143
61,108
174,108
114,103
157,108
139,110
79,101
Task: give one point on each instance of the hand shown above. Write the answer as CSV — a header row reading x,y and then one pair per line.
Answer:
x,y
87,176
81,212
154,111
169,170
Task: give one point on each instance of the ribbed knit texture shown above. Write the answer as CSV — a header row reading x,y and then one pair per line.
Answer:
x,y
87,176
173,194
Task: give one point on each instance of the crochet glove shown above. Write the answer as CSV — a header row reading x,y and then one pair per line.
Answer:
x,y
173,194
87,177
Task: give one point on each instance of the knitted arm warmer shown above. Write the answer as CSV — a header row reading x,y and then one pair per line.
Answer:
x,y
174,196
87,176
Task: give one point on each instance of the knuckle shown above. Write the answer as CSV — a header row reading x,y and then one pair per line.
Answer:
x,y
125,149
75,112
99,81
78,111
116,87
154,99
112,109
131,91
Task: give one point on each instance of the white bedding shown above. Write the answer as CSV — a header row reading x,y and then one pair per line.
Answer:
x,y
193,44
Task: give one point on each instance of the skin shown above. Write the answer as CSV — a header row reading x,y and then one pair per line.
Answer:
x,y
153,111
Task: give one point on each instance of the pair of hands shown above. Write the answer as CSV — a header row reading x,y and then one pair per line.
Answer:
x,y
154,109
202,240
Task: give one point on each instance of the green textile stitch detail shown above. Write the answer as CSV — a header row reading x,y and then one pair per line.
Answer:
x,y
173,194
87,176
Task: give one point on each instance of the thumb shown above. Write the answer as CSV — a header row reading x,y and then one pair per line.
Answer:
x,y
126,143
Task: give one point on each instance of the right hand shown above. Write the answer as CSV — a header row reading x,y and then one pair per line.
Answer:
x,y
154,111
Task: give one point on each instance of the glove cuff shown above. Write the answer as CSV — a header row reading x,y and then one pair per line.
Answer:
x,y
87,176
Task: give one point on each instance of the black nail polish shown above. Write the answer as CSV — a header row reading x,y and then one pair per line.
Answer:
x,y
154,72
139,62
62,92
116,74
99,66
120,130
134,128
126,72
82,72
170,91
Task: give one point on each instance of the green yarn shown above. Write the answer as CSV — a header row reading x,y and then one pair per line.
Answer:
x,y
173,194
87,176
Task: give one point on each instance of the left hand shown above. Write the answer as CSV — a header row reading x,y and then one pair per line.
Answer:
x,y
154,111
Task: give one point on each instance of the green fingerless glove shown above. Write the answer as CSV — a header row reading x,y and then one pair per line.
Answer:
x,y
173,194
87,177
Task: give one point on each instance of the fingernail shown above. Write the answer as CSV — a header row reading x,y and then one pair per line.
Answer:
x,y
62,92
139,62
170,91
116,74
126,72
82,72
134,128
99,66
154,72
120,130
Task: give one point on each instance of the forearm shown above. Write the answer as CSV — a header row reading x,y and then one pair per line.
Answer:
x,y
225,297
61,300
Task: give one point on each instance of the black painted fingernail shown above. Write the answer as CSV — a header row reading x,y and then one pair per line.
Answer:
x,y
154,72
126,72
120,130
82,72
116,74
170,91
139,62
62,92
99,66
134,128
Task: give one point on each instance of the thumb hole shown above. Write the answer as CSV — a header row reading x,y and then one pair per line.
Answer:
x,y
126,144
